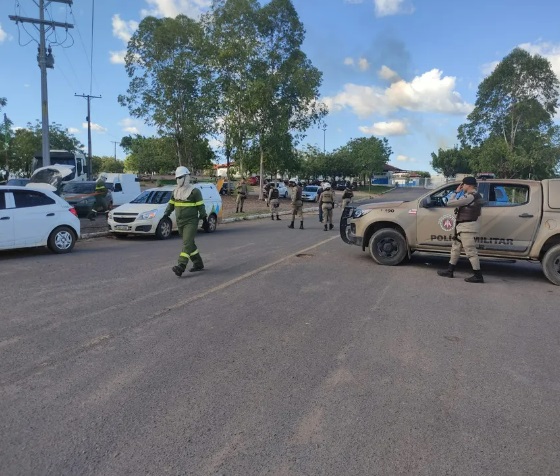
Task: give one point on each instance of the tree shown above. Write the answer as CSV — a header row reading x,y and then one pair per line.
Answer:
x,y
365,156
172,85
149,154
451,162
515,106
107,164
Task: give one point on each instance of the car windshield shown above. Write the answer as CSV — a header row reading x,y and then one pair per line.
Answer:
x,y
78,187
153,196
312,188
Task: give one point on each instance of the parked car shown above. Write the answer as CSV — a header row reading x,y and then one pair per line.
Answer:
x,y
228,188
283,191
30,217
254,180
81,195
144,214
310,193
20,182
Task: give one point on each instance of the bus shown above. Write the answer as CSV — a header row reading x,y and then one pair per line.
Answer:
x,y
74,159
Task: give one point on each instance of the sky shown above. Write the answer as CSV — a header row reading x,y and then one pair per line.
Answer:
x,y
407,70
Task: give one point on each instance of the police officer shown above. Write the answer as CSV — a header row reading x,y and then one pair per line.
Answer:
x,y
347,195
467,226
326,203
242,192
187,202
297,202
100,194
273,201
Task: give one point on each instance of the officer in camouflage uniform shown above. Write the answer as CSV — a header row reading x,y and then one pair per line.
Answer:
x,y
326,203
242,193
187,202
273,201
297,202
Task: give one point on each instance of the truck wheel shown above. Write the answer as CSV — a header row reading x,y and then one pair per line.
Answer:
x,y
61,240
163,230
388,247
212,223
551,265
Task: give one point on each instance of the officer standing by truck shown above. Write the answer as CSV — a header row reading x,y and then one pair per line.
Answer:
x,y
273,201
347,196
467,226
188,204
297,202
326,203
242,193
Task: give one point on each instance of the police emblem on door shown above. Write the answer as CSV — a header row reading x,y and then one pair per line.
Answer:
x,y
447,222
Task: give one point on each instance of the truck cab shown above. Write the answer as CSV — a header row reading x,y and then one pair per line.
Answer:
x,y
520,219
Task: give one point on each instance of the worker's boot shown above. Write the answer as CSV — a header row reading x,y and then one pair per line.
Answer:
x,y
92,215
448,273
291,225
331,226
301,225
475,278
179,269
325,228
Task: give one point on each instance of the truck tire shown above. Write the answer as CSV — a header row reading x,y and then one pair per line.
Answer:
x,y
61,240
388,247
551,265
164,228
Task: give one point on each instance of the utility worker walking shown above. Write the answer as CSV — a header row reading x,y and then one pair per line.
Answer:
x,y
100,194
242,193
297,202
467,212
273,201
347,196
187,202
326,202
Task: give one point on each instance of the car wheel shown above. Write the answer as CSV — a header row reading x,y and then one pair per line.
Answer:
x,y
212,223
163,230
285,194
61,240
388,247
551,265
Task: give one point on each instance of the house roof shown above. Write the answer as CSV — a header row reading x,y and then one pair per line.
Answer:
x,y
390,168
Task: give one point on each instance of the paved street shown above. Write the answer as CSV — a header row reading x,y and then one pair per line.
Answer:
x,y
291,354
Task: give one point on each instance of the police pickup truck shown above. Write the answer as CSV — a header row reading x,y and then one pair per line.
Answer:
x,y
520,220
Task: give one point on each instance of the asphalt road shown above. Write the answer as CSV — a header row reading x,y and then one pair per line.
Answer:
x,y
291,354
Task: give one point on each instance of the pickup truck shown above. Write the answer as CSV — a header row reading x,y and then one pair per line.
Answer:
x,y
520,220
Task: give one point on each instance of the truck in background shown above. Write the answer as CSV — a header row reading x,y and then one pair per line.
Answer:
x,y
75,159
125,187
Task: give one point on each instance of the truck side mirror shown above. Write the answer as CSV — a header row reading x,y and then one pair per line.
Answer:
x,y
426,202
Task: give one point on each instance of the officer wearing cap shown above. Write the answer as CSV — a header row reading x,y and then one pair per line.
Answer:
x,y
467,211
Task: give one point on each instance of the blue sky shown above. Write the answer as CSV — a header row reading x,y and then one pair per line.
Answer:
x,y
407,70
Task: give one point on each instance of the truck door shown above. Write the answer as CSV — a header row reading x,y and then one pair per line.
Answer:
x,y
435,223
510,217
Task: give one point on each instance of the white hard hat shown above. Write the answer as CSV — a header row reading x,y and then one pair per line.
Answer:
x,y
181,171
326,185
293,180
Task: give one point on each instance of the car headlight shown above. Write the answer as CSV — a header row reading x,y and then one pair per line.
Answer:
x,y
358,213
150,214
110,215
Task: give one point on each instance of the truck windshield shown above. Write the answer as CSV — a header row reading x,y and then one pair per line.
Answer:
x,y
153,196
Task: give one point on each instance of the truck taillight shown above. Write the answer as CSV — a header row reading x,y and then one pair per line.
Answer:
x,y
73,211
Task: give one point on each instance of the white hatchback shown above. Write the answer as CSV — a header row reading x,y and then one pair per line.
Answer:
x,y
32,217
144,214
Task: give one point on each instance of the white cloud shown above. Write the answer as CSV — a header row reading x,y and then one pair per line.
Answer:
x,y
392,128
404,158
349,61
549,50
429,92
94,127
388,74
117,57
392,7
130,125
3,34
172,8
123,29
74,130
363,64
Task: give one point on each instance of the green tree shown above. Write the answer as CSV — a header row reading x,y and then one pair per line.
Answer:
x,y
171,84
107,164
450,162
365,156
515,106
149,154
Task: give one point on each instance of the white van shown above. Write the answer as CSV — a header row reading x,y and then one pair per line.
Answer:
x,y
125,187
144,214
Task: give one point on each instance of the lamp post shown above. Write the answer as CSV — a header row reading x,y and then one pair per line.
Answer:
x,y
324,136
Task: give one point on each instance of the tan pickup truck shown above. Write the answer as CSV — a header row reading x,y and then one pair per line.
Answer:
x,y
520,220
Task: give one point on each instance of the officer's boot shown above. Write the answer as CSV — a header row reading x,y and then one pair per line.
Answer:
x,y
331,226
277,217
325,228
475,278
237,210
301,225
291,225
272,217
448,273
179,269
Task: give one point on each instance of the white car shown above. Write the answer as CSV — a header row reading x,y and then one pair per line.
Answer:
x,y
283,191
144,214
32,217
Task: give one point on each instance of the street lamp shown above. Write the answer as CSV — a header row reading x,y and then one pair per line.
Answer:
x,y
324,135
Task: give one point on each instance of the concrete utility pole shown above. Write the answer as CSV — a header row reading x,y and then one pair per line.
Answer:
x,y
115,142
45,61
89,98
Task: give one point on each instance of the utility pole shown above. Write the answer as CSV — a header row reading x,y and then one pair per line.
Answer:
x,y
115,142
45,61
89,98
